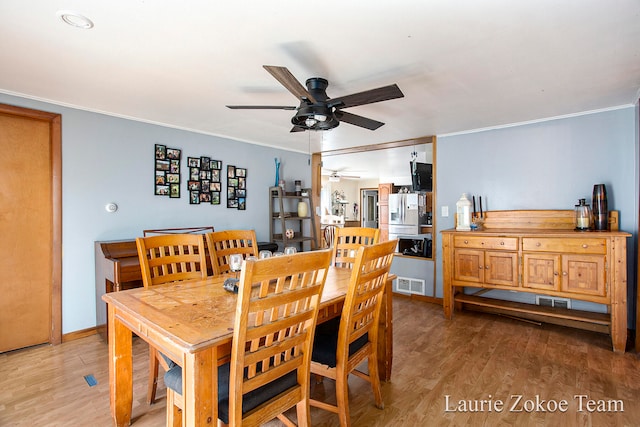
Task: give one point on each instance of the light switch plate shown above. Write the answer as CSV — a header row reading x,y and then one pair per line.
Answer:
x,y
445,211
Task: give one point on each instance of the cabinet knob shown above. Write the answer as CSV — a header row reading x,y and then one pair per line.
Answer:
x,y
486,267
555,273
502,243
538,244
564,273
585,246
466,242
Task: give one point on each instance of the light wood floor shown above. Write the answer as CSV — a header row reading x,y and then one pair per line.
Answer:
x,y
472,357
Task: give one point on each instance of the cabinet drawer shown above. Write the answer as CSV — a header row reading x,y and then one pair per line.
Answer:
x,y
484,242
556,244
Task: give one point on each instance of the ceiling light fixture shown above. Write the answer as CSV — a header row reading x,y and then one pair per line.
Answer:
x,y
315,117
75,19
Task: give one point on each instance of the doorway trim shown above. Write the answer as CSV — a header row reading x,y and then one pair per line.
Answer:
x,y
316,164
55,145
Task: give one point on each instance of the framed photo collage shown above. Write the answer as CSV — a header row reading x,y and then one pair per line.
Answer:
x,y
204,183
167,168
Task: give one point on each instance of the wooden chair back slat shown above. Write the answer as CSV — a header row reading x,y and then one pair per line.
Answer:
x,y
275,319
171,258
348,240
364,297
224,243
360,316
166,258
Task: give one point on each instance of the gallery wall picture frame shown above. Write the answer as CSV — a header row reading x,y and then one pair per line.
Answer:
x,y
204,180
236,188
167,171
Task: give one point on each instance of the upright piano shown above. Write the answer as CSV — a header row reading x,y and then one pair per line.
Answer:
x,y
117,269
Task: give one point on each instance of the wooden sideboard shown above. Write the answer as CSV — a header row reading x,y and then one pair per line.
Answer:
x,y
539,252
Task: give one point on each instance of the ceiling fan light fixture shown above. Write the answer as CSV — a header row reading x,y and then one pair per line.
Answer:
x,y
315,117
334,178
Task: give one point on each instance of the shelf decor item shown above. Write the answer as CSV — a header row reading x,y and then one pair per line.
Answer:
x,y
600,208
583,216
277,171
303,209
167,171
463,211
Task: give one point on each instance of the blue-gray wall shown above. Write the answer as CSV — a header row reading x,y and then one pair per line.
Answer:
x,y
544,165
108,159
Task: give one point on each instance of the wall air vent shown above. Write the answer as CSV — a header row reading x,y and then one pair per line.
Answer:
x,y
553,302
409,285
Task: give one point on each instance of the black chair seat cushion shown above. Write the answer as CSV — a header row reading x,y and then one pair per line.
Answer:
x,y
173,380
325,343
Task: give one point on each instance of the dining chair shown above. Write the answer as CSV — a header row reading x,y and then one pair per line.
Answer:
x,y
163,259
224,243
329,235
268,372
347,242
343,343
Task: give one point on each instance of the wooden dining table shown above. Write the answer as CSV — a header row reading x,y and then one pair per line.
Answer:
x,y
192,323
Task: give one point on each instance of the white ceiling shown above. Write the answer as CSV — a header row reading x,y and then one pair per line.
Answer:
x,y
462,65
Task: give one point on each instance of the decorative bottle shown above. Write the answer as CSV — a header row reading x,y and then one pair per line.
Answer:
x,y
599,207
463,211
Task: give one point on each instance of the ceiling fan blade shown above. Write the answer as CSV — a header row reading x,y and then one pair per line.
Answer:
x,y
367,97
297,129
261,107
356,120
286,79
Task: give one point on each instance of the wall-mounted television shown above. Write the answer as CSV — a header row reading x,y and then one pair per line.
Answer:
x,y
421,176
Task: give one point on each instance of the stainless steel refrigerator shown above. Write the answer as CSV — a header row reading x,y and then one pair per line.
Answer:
x,y
403,215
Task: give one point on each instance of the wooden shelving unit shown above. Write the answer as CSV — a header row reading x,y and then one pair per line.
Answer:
x,y
283,215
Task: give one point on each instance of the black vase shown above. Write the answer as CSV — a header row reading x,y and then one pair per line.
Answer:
x,y
599,208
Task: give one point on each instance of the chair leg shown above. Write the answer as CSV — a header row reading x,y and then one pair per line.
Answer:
x,y
342,399
153,376
288,423
374,379
303,413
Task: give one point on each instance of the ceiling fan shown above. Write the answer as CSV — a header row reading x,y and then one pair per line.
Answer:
x,y
334,176
319,112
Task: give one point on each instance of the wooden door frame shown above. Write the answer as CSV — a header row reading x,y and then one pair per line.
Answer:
x,y
55,135
316,168
637,334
